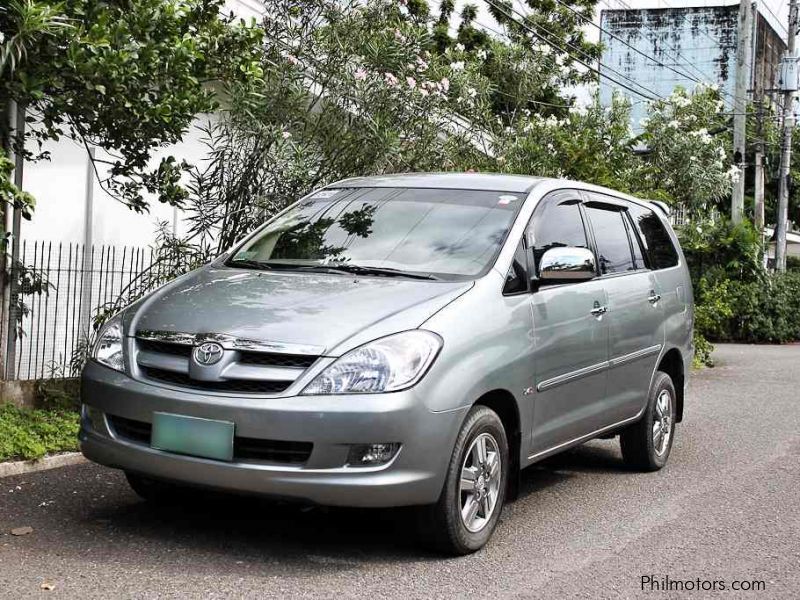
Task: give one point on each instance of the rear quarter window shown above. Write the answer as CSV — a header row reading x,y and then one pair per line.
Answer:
x,y
658,244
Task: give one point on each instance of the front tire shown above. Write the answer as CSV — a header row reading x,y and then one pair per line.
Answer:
x,y
469,507
647,443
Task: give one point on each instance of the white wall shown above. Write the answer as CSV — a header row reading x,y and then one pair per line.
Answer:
x,y
59,186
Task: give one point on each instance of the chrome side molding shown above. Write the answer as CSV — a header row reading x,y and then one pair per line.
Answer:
x,y
228,342
592,369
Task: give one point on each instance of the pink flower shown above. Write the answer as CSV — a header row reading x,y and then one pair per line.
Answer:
x,y
390,79
360,75
291,59
412,83
444,85
423,91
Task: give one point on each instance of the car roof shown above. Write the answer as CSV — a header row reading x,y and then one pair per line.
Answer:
x,y
493,182
490,182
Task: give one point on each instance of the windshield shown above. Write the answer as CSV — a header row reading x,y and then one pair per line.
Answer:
x,y
441,234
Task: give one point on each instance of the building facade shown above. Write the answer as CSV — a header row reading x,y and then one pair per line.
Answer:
x,y
662,48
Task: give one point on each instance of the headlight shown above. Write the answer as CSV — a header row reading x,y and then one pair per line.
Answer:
x,y
388,364
107,349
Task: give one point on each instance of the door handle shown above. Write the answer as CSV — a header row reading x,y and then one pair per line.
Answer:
x,y
598,310
653,298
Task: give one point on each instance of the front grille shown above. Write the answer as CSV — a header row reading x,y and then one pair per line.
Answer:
x,y
135,431
252,372
247,449
165,348
271,359
228,385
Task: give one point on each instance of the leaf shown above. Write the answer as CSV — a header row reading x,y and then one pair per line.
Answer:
x,y
22,530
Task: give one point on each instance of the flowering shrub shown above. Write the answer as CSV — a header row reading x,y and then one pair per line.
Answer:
x,y
349,88
687,163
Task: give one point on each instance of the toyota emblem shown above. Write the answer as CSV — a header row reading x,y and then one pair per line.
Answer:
x,y
207,354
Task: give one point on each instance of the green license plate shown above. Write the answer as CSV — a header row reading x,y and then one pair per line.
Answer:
x,y
192,436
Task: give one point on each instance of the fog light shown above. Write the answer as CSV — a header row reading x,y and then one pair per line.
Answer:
x,y
370,455
93,416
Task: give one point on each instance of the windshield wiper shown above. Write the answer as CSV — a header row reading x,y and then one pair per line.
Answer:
x,y
249,264
362,270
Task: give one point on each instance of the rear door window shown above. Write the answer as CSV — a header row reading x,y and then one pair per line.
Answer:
x,y
659,247
614,251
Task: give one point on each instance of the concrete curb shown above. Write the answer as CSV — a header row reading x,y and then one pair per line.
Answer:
x,y
21,467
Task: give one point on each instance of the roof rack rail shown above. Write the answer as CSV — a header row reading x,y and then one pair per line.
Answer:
x,y
663,206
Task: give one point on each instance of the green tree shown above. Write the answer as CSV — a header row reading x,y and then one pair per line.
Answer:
x,y
529,55
592,144
348,88
126,76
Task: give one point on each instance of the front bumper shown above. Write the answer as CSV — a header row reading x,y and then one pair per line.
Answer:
x,y
332,423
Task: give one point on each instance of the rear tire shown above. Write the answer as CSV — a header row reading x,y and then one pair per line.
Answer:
x,y
647,443
463,519
156,491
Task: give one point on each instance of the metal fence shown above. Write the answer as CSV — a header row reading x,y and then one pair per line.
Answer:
x,y
62,288
679,216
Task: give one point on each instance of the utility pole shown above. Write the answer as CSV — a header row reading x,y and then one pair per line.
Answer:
x,y
743,62
758,159
758,184
789,86
88,245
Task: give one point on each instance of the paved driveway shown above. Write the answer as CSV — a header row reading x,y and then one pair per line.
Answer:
x,y
727,508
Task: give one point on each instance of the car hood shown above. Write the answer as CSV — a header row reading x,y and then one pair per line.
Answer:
x,y
332,312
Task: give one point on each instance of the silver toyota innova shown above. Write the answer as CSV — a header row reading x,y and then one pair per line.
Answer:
x,y
403,340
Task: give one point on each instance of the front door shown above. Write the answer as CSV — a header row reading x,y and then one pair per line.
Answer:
x,y
570,334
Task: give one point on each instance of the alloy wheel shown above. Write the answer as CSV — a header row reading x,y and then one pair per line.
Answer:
x,y
662,422
479,488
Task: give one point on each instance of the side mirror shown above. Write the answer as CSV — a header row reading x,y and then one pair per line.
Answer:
x,y
567,264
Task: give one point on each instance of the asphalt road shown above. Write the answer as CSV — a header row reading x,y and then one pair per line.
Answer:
x,y
724,509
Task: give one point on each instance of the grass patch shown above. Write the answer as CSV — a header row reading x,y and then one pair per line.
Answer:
x,y
27,434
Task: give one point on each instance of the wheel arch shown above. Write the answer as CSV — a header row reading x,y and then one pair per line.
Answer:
x,y
672,364
505,405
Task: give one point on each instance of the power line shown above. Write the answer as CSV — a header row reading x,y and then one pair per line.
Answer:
x,y
700,31
503,10
777,19
506,36
607,32
684,60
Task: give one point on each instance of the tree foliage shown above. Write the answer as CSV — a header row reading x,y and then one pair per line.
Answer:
x,y
530,57
126,76
687,161
358,87
349,88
